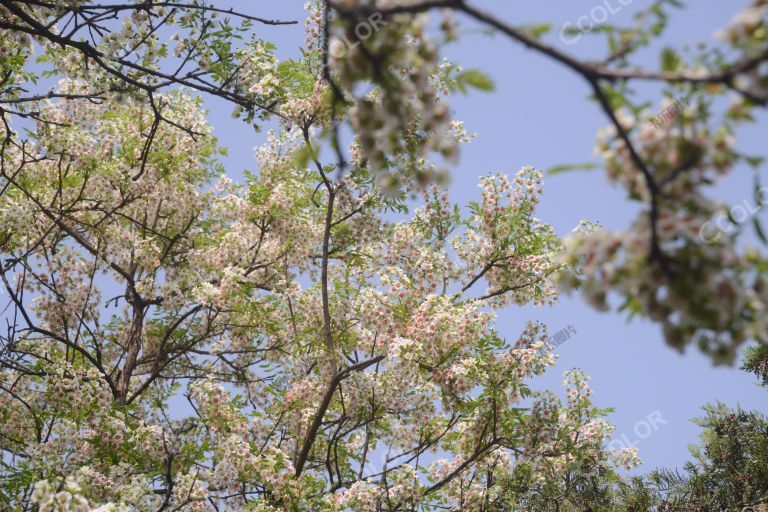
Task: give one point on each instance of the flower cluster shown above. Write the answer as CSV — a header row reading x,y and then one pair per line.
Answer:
x,y
668,266
402,118
507,245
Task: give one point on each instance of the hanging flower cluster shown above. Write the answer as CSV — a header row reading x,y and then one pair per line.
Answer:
x,y
676,264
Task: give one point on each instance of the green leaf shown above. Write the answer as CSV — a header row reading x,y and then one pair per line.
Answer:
x,y
301,157
297,77
475,78
616,98
670,60
759,230
538,30
588,166
754,161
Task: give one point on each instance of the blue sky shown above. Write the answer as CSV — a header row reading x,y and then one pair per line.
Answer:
x,y
539,115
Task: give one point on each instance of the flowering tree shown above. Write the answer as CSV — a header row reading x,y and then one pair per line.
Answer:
x,y
298,341
329,358
679,264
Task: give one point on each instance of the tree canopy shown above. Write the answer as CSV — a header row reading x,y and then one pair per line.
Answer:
x,y
319,335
